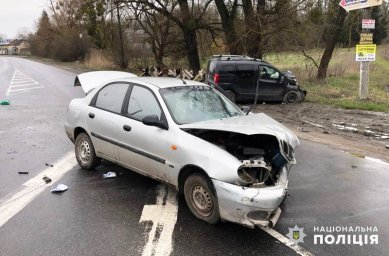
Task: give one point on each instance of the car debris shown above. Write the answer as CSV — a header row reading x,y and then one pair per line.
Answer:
x,y
50,165
345,128
46,179
22,172
5,102
59,188
109,175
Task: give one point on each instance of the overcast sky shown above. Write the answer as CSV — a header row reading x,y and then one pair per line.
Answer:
x,y
16,15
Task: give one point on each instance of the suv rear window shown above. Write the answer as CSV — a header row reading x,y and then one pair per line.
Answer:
x,y
227,68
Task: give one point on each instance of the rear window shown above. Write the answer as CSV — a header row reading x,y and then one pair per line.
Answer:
x,y
227,68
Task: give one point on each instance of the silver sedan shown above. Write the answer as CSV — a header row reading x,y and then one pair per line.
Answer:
x,y
230,166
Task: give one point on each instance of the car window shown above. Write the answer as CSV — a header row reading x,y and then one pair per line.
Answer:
x,y
142,103
228,68
245,72
111,97
268,73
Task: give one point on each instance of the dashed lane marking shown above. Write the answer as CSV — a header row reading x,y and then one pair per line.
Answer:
x,y
14,202
163,216
22,83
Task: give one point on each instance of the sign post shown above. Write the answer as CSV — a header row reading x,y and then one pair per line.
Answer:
x,y
366,50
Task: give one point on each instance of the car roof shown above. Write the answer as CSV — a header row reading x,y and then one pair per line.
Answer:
x,y
163,82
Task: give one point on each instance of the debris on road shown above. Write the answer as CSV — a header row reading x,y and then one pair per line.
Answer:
x,y
46,179
109,175
22,172
59,188
387,146
5,102
354,166
49,165
11,152
345,128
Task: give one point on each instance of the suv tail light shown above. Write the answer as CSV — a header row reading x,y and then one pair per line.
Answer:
x,y
216,78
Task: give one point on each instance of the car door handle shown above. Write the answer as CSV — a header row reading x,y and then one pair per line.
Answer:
x,y
127,128
91,115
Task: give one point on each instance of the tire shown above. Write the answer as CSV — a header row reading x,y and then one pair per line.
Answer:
x,y
291,97
85,152
230,95
201,199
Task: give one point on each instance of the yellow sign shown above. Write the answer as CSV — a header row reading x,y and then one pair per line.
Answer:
x,y
366,38
365,52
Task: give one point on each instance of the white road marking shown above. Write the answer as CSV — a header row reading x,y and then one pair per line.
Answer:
x,y
286,241
13,203
21,80
163,216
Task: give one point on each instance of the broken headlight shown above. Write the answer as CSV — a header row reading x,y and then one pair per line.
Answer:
x,y
255,173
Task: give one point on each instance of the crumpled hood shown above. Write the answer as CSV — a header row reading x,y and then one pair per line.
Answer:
x,y
249,125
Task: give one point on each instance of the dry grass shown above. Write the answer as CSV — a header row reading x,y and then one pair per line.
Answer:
x,y
98,59
342,84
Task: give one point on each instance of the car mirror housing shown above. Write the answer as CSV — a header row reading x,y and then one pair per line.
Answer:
x,y
153,120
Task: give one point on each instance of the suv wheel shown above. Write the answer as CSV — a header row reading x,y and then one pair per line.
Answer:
x,y
291,97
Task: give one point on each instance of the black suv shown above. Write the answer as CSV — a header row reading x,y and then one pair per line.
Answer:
x,y
238,76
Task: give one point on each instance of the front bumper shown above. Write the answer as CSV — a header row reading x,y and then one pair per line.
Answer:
x,y
251,206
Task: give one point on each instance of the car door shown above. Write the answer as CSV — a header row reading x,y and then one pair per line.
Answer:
x,y
271,86
246,81
102,119
141,147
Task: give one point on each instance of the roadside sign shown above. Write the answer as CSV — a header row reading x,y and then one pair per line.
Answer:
x,y
368,24
366,38
350,5
365,52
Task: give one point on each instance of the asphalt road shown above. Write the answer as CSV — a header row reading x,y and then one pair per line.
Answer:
x,y
97,216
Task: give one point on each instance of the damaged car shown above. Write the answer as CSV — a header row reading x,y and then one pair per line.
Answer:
x,y
229,165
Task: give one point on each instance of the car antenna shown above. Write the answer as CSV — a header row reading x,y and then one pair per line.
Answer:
x,y
183,81
256,98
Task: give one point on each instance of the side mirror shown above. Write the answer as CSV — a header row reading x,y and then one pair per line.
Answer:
x,y
153,120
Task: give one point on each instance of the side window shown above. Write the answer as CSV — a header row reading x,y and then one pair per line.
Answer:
x,y
268,73
245,72
142,103
111,97
227,69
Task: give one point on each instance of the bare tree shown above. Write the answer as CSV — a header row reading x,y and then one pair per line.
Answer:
x,y
228,12
188,16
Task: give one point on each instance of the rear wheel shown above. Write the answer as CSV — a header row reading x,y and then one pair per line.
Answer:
x,y
85,152
291,97
230,95
200,198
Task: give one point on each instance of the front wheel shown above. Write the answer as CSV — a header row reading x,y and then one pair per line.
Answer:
x,y
200,198
291,97
85,152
